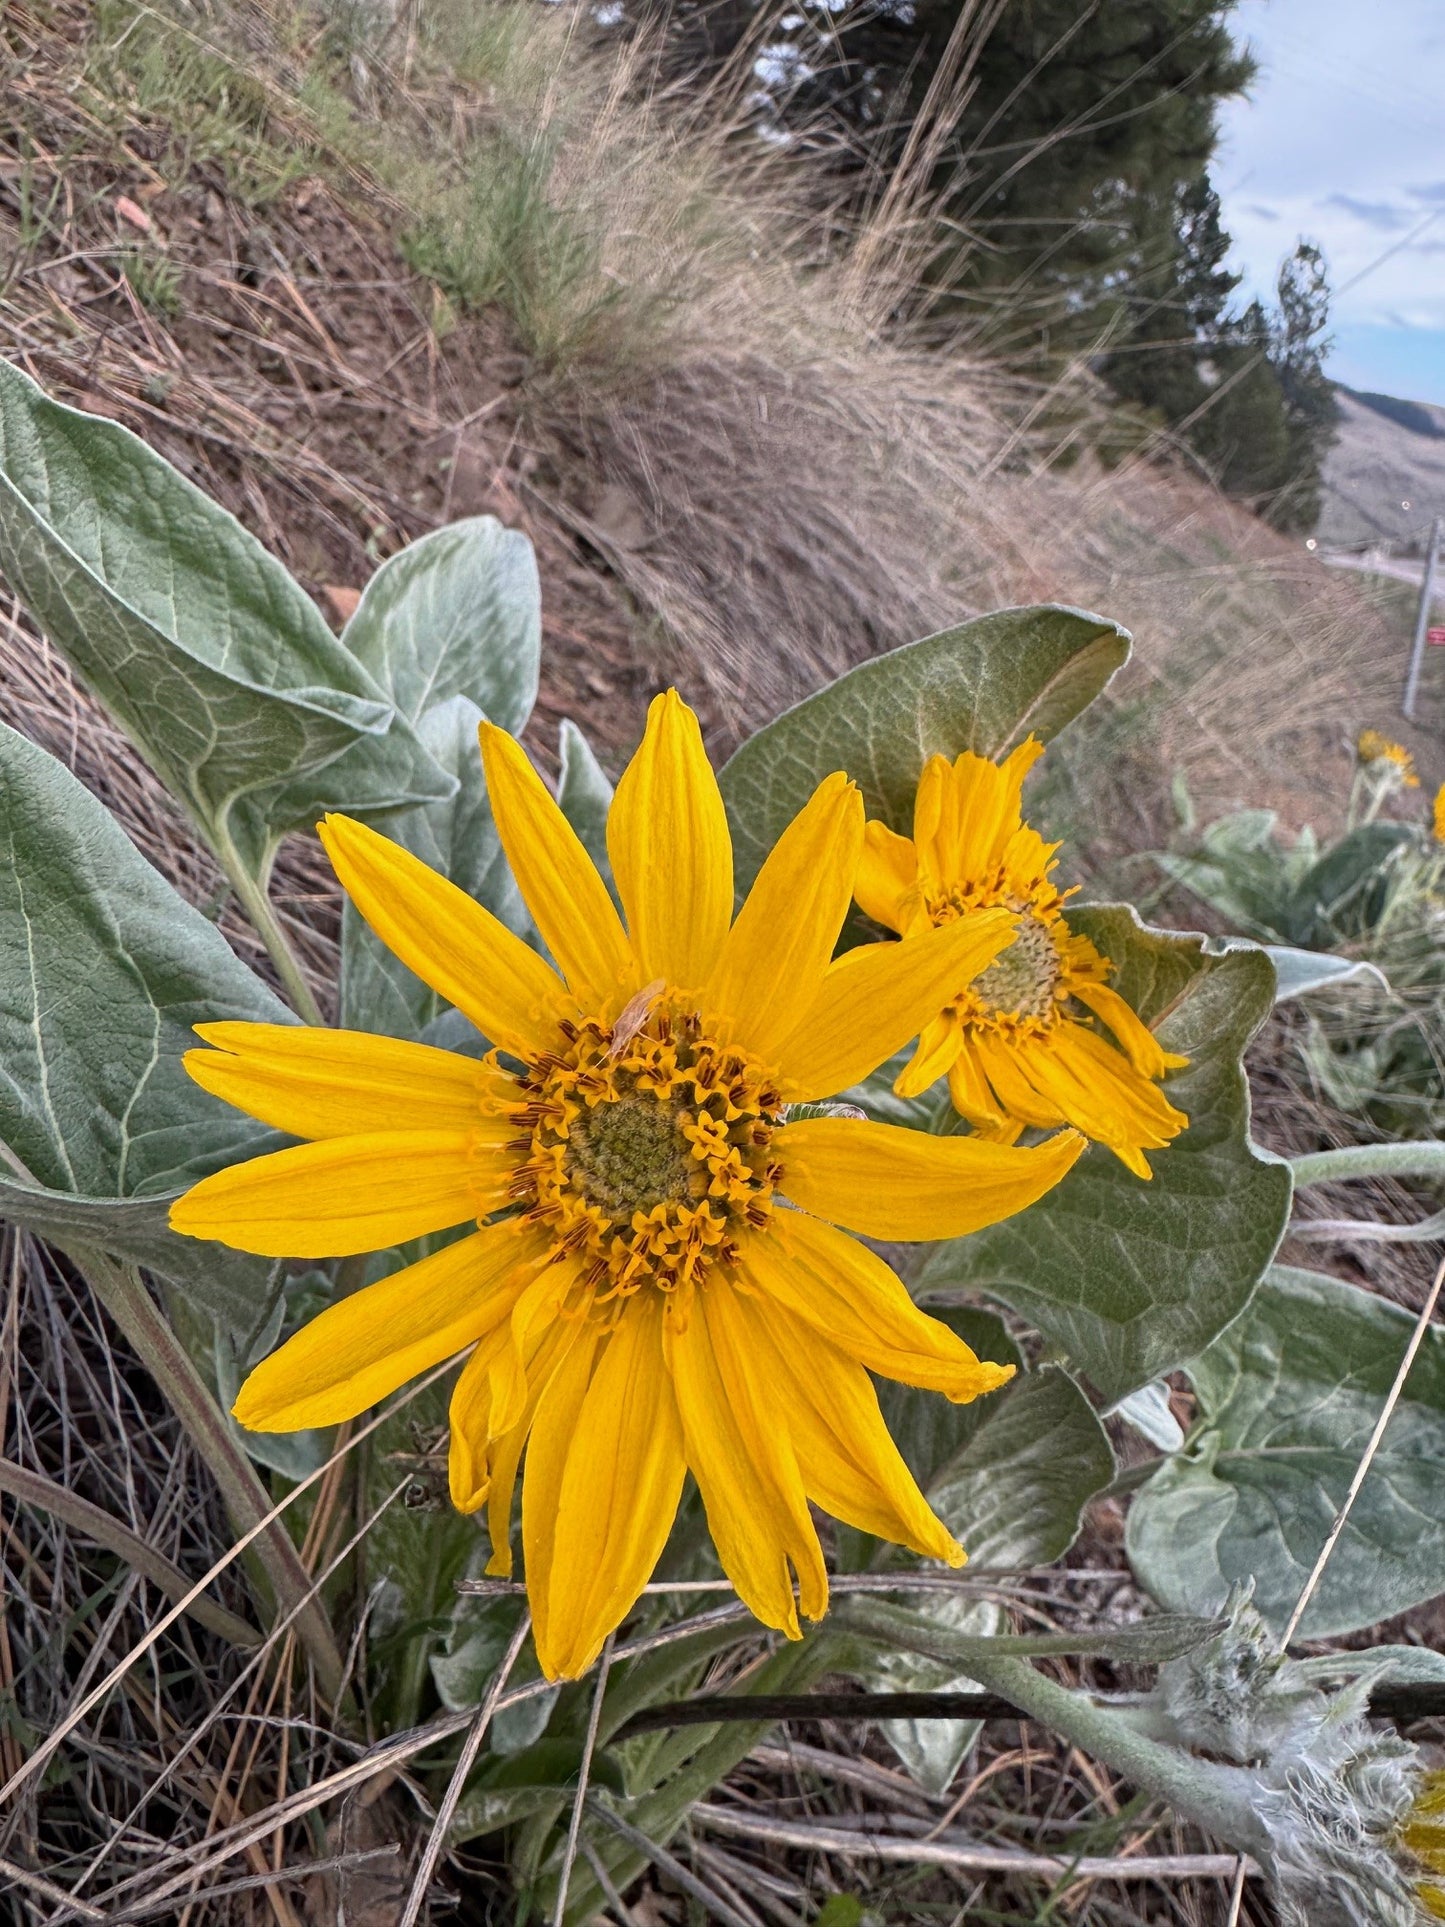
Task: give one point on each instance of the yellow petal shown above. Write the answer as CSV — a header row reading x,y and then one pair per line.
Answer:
x,y
619,1492
338,1083
1100,1092
672,856
776,954
482,1458
887,885
568,900
465,953
357,1351
1146,1053
469,1470
553,1428
1006,1067
350,1194
889,1183
969,1090
506,1457
877,997
505,1451
849,1296
939,1043
965,812
743,1461
849,1463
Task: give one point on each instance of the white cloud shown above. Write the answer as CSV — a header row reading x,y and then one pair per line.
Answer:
x,y
1341,141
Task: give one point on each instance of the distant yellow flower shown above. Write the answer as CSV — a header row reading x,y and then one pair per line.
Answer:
x,y
1372,747
1437,823
1015,1046
1423,1836
639,1303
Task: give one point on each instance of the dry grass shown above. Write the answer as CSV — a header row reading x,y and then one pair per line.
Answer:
x,y
668,369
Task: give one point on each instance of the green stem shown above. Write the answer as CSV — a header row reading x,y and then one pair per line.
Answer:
x,y
120,1290
257,905
1417,1158
1214,1796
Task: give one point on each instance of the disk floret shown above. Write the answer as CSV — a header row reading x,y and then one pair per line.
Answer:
x,y
1027,987
646,1153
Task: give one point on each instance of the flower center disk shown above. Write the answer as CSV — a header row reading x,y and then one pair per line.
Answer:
x,y
630,1155
647,1154
1022,981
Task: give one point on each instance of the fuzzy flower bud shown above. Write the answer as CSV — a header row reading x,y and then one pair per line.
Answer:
x,y
1343,1805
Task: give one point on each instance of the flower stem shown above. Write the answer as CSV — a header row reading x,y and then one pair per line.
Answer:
x,y
257,905
1214,1796
1420,1158
120,1290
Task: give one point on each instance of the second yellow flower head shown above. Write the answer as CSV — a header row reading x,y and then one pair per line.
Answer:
x,y
1015,1044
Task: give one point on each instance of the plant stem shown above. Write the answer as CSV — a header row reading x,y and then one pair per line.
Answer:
x,y
1214,1796
1417,1158
120,1290
257,905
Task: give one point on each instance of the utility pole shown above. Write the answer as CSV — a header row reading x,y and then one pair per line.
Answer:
x,y
1422,622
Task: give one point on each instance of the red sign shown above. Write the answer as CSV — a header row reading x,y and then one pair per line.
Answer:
x,y
1436,636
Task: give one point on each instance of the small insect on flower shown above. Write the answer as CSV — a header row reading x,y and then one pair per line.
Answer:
x,y
1016,1042
637,1302
1373,748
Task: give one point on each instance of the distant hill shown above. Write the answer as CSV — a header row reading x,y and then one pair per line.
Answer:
x,y
1385,476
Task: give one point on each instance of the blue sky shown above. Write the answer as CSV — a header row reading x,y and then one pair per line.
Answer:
x,y
1342,140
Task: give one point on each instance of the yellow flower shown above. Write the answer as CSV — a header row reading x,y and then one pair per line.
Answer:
x,y
1017,1050
639,1302
1423,1836
1437,821
1372,747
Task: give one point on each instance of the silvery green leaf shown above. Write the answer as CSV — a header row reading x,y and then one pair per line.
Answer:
x,y
584,794
1397,1665
537,1784
1288,1398
458,613
201,645
479,1634
105,972
1129,1277
1342,894
1009,1475
457,837
1015,1490
1298,972
485,1809
932,1751
1151,1415
1147,1642
984,685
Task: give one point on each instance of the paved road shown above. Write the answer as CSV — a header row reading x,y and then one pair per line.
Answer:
x,y
1375,562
